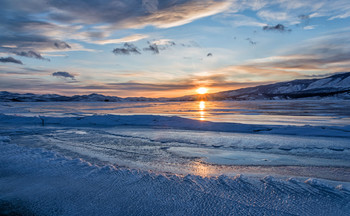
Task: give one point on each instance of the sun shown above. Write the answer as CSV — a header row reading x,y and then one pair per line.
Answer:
x,y
202,90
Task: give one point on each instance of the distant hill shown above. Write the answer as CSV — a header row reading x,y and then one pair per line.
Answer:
x,y
29,97
335,86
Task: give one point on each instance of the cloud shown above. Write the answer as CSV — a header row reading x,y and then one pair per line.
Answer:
x,y
30,54
153,48
127,49
63,74
181,14
93,21
10,60
150,6
251,41
278,27
309,27
18,42
238,20
156,45
164,42
130,14
148,86
304,17
273,15
289,12
127,39
322,75
190,44
62,45
341,16
29,45
323,54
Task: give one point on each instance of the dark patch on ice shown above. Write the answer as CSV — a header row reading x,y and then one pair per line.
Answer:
x,y
336,148
263,129
285,148
264,146
13,208
217,146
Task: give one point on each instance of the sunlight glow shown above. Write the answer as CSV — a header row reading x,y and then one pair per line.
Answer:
x,y
202,105
202,90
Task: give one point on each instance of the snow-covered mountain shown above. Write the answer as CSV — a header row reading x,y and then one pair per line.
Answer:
x,y
336,86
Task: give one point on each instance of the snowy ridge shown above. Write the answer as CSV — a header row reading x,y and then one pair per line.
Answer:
x,y
177,123
51,184
336,86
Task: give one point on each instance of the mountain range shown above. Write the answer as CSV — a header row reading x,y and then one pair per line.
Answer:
x,y
336,86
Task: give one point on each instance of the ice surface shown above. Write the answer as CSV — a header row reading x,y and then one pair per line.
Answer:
x,y
169,150
177,123
45,183
299,113
87,163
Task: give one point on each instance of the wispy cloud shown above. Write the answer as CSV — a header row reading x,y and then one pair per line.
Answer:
x,y
30,54
182,13
273,15
340,16
163,14
127,39
309,27
10,60
164,42
324,54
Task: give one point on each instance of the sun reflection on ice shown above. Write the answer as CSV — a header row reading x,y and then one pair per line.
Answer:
x,y
201,110
201,169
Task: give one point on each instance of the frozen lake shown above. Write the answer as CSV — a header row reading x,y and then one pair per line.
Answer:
x,y
284,112
203,153
175,158
308,137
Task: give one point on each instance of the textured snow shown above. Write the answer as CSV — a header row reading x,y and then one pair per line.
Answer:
x,y
193,152
330,83
288,89
41,182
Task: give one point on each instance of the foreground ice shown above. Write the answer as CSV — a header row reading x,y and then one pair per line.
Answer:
x,y
41,182
159,165
176,123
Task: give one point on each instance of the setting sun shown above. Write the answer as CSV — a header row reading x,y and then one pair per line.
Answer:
x,y
202,90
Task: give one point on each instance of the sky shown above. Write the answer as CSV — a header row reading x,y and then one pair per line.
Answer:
x,y
168,48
